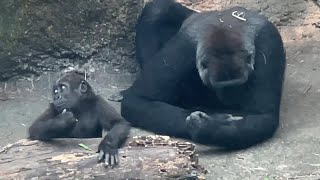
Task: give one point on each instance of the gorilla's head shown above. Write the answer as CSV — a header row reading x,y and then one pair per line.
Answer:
x,y
70,90
222,59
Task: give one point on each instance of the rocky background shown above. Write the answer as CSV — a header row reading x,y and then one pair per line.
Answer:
x,y
39,38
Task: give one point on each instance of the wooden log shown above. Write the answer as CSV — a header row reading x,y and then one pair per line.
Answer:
x,y
144,157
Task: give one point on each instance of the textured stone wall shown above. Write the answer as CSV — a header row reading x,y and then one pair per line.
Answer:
x,y
47,35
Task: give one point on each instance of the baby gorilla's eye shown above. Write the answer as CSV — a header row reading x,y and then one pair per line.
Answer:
x,y
63,87
55,91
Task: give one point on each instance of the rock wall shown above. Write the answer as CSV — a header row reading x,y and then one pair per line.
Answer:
x,y
47,35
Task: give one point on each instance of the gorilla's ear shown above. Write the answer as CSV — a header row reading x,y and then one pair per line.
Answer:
x,y
83,86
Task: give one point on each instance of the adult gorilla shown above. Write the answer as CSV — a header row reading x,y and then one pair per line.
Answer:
x,y
213,77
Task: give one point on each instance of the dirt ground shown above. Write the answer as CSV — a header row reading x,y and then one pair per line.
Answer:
x,y
294,153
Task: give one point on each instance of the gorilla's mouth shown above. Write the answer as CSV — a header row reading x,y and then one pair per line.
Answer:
x,y
212,80
60,106
232,82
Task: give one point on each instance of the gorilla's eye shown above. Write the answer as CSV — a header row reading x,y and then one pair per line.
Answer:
x,y
55,91
63,87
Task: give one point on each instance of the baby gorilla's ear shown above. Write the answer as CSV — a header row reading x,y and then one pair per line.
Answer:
x,y
83,86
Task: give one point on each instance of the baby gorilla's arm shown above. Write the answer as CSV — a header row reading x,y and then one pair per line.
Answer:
x,y
52,125
118,130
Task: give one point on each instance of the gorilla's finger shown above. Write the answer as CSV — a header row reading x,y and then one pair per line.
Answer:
x,y
101,156
235,118
113,161
229,116
116,159
107,160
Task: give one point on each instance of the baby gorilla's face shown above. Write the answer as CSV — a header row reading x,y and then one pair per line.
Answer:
x,y
68,91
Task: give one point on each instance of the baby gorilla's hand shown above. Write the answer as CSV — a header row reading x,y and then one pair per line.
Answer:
x,y
108,152
66,119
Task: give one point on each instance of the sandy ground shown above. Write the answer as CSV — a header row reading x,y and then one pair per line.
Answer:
x,y
294,153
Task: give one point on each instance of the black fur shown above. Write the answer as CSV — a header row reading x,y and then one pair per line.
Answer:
x,y
214,79
77,112
158,22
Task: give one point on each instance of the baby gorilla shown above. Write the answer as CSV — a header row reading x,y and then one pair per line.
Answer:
x,y
77,112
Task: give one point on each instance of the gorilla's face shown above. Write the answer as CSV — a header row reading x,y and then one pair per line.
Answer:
x,y
225,69
68,91
223,59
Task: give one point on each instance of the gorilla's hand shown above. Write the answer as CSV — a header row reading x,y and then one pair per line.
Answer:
x,y
66,119
108,152
198,121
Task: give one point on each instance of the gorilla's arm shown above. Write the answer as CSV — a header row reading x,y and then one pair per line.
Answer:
x,y
51,124
118,130
219,129
155,116
229,131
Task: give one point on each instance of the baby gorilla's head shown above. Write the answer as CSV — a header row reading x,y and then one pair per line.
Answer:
x,y
70,90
